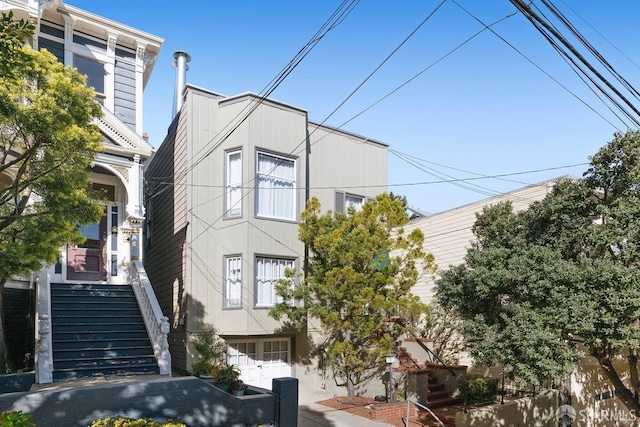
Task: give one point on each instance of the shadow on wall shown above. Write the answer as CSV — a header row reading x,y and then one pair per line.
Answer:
x,y
531,411
593,397
193,401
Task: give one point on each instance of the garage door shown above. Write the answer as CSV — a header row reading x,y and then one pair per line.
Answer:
x,y
261,360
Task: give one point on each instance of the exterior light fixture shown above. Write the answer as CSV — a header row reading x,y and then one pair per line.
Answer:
x,y
390,359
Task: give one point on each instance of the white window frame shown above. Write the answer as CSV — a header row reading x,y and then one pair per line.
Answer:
x,y
232,297
264,285
267,191
233,186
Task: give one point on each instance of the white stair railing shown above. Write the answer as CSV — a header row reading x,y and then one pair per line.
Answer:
x,y
157,324
44,352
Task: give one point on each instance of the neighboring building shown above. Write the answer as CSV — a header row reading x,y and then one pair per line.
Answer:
x,y
224,195
448,235
117,60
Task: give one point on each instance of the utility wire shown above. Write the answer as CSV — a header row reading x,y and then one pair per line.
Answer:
x,y
414,183
419,160
583,74
345,100
541,25
600,34
337,17
562,18
414,77
537,66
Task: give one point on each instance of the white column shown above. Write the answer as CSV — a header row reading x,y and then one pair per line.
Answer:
x,y
134,206
69,23
109,68
140,63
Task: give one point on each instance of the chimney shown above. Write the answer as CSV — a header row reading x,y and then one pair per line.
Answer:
x,y
181,67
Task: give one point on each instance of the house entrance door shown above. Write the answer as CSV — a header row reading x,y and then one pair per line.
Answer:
x,y
86,261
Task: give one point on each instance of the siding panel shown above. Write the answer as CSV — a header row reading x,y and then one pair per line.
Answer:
x,y
125,93
164,258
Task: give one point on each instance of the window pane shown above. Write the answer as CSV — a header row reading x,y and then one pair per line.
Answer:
x,y
268,271
356,201
276,187
234,184
233,286
94,71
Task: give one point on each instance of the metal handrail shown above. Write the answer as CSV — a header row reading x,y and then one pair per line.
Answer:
x,y
409,402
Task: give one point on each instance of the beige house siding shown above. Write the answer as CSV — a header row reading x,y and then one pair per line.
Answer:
x,y
188,264
340,161
448,234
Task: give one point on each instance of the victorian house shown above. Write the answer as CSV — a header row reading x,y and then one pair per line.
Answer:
x,y
74,318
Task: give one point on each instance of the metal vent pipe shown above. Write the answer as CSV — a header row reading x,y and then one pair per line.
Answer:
x,y
181,67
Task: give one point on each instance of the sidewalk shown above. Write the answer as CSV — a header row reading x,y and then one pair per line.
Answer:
x,y
311,414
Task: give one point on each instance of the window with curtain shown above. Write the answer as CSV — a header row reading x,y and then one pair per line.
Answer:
x,y
275,181
356,201
268,271
233,282
233,198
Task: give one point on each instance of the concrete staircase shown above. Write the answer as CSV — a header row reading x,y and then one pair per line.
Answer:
x,y
97,330
432,390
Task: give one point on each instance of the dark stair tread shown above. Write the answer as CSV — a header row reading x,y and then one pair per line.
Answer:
x,y
78,350
104,363
109,372
96,340
128,368
66,314
98,329
445,401
436,387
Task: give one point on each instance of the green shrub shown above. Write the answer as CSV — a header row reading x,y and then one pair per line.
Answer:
x,y
478,389
202,367
16,419
209,347
129,422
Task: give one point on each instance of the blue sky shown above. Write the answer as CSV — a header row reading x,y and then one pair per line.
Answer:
x,y
484,109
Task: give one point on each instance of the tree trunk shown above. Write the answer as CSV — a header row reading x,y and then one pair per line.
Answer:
x,y
3,323
632,358
351,387
622,392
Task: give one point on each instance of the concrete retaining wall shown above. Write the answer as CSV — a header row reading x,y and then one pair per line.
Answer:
x,y
539,411
190,400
